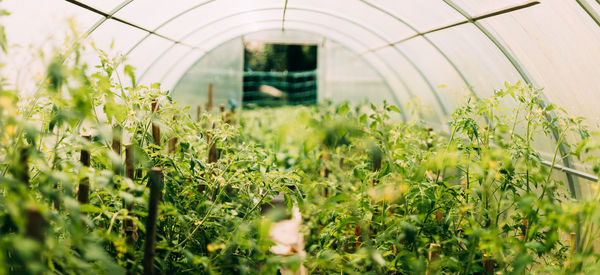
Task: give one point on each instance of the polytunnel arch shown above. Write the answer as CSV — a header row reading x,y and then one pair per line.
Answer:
x,y
204,27
273,21
451,4
383,47
585,11
439,101
379,73
235,35
385,79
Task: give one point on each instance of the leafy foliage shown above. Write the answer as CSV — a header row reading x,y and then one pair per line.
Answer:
x,y
210,218
377,196
387,197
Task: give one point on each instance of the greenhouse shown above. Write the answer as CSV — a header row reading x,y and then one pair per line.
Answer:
x,y
299,137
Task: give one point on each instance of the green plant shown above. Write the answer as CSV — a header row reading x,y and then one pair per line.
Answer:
x,y
209,216
402,198
377,196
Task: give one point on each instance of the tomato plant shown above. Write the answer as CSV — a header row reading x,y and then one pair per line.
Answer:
x,y
103,177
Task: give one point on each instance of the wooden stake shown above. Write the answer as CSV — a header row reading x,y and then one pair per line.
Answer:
x,y
209,104
23,171
325,173
434,255
129,161
35,224
212,150
84,186
222,109
116,142
129,226
198,112
173,141
156,182
116,147
434,251
488,264
155,128
573,244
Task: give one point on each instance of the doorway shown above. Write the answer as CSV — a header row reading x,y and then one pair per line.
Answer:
x,y
279,74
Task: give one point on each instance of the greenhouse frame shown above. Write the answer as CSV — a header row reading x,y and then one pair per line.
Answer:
x,y
425,57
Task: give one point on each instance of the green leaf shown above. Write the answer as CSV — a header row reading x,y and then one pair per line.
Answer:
x,y
393,108
363,119
130,71
89,208
3,39
344,109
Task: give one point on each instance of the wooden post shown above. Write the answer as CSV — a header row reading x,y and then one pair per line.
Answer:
x,y
212,150
573,244
155,128
173,141
84,186
325,172
434,255
35,227
198,112
222,109
488,264
116,141
342,158
129,161
209,104
35,224
116,147
434,251
23,171
129,226
156,182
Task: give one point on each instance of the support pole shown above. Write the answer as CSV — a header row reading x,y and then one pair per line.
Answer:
x,y
35,224
155,128
173,141
209,104
84,186
212,150
23,171
156,183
